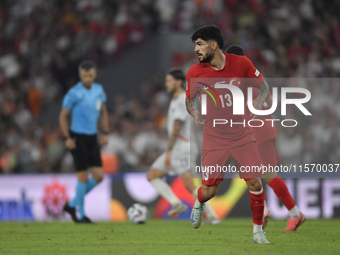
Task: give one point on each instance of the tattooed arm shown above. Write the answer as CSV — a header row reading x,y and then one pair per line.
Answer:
x,y
263,94
264,90
190,104
192,110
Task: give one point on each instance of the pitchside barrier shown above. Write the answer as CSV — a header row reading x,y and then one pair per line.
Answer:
x,y
41,197
316,198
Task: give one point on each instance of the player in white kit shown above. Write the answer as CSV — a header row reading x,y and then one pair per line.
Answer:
x,y
180,157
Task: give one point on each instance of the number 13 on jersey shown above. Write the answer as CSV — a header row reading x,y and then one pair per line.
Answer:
x,y
227,97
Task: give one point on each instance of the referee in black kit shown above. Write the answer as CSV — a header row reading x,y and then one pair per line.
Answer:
x,y
86,102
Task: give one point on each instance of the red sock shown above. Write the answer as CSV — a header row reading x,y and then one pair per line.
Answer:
x,y
257,207
199,195
281,191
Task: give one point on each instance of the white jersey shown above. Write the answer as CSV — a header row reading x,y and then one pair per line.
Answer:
x,y
184,152
177,111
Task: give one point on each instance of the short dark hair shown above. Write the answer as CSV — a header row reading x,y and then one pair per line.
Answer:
x,y
177,73
86,65
235,49
211,32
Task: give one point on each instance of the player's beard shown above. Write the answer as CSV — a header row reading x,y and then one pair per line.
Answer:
x,y
208,57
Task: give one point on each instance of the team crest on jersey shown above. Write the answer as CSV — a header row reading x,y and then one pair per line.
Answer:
x,y
235,81
98,105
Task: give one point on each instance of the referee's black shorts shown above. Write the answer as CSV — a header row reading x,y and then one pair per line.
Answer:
x,y
87,151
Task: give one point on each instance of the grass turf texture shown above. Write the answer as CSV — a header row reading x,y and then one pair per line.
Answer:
x,y
233,236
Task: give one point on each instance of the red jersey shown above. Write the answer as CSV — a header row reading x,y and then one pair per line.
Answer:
x,y
267,131
223,136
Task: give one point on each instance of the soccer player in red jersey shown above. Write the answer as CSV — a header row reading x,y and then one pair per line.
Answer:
x,y
265,140
222,143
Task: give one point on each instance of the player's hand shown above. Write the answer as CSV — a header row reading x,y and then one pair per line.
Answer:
x,y
258,104
168,160
197,116
70,144
104,140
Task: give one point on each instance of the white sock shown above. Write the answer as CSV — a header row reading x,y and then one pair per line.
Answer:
x,y
208,208
165,191
257,228
294,213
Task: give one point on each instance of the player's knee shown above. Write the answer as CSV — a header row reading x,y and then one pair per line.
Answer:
x,y
99,178
151,175
154,173
209,193
257,186
212,193
98,174
82,176
254,184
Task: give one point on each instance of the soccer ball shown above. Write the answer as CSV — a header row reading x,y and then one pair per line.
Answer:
x,y
138,213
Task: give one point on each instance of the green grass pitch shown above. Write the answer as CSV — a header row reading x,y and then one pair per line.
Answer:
x,y
233,236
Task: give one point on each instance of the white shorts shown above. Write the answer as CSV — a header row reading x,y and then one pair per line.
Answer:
x,y
180,163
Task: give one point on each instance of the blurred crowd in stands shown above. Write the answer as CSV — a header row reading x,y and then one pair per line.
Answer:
x,y
42,43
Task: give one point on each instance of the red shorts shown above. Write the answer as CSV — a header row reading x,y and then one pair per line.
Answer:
x,y
268,153
247,158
